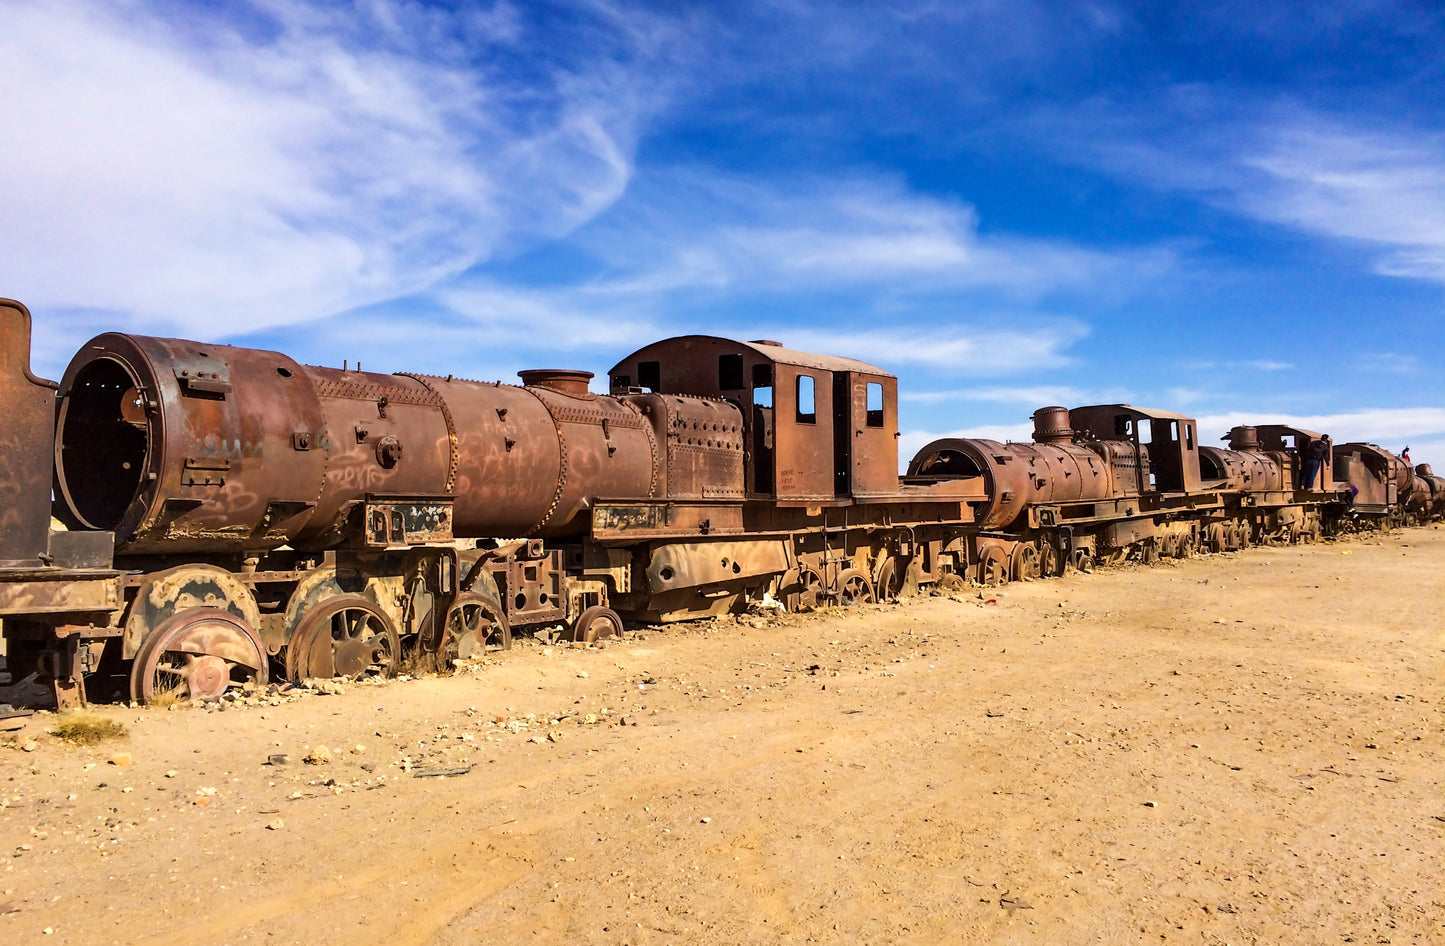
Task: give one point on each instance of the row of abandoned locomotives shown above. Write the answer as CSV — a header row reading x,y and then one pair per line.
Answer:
x,y
228,516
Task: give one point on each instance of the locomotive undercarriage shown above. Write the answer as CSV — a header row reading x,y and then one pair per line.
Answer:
x,y
201,628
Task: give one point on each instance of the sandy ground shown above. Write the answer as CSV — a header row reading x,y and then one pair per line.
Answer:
x,y
1241,748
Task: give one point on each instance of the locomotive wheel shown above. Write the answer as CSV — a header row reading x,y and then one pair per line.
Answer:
x,y
887,582
596,623
474,625
1048,560
1216,537
1082,560
197,654
343,636
1026,564
1188,545
809,589
853,587
993,569
949,583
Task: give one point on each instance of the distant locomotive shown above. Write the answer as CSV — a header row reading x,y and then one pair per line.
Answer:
x,y
232,514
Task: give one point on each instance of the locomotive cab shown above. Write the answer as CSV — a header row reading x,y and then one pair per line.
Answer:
x,y
1378,477
819,429
1293,444
1165,445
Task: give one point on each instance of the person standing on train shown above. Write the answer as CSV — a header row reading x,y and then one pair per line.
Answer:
x,y
1315,455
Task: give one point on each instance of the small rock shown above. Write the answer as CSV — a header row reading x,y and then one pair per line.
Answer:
x,y
556,736
29,745
121,759
538,739
318,755
276,825
277,758
1151,804
171,773
582,674
707,821
358,749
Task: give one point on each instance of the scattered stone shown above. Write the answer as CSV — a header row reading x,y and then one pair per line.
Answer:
x,y
358,749
29,745
582,674
277,758
121,759
441,773
556,736
1151,804
276,825
171,773
707,821
318,755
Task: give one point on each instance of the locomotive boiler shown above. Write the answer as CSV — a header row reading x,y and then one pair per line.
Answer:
x,y
180,447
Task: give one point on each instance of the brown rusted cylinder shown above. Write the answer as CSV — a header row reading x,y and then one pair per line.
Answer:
x,y
1243,437
1250,470
1418,500
1051,425
177,446
561,380
1018,474
1424,469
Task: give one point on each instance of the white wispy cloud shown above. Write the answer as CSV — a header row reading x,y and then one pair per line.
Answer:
x,y
1033,395
1362,181
961,348
1383,426
214,175
1383,189
693,229
1388,362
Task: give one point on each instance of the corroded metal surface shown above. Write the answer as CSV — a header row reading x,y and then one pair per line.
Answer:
x,y
181,447
26,435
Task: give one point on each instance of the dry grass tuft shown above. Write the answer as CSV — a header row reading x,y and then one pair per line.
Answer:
x,y
164,698
84,729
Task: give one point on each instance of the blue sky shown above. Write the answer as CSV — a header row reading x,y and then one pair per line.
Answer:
x,y
1235,210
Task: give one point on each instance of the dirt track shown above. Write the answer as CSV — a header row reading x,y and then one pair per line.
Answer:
x,y
1243,748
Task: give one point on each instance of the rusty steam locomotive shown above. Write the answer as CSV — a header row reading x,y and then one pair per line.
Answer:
x,y
228,515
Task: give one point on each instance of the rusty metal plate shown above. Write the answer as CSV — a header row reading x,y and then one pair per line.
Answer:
x,y
26,443
60,592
